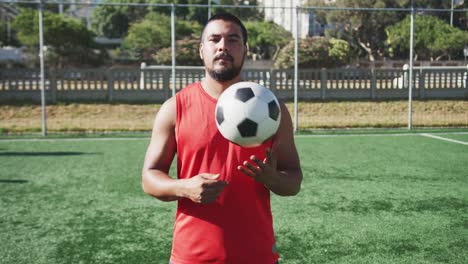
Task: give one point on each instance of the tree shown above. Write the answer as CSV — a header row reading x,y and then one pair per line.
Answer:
x,y
364,30
266,39
3,33
147,37
316,52
187,53
67,39
459,18
194,13
113,21
433,38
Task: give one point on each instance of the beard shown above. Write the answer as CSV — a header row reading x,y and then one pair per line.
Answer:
x,y
226,73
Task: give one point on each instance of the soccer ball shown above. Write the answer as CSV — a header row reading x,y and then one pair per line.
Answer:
x,y
247,114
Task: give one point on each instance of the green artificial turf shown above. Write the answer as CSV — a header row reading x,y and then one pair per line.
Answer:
x,y
364,199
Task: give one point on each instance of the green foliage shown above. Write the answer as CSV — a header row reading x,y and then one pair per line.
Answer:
x,y
363,30
339,52
266,38
6,40
366,30
67,39
25,24
3,32
115,21
112,21
147,37
433,38
198,14
459,18
186,53
317,52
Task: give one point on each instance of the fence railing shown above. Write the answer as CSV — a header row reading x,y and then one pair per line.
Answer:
x,y
155,84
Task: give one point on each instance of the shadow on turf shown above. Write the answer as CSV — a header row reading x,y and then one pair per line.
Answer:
x,y
41,153
12,181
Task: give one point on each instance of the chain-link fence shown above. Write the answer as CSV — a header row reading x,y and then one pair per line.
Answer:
x,y
335,66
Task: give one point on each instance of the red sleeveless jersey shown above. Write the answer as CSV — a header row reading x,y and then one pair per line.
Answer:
x,y
238,227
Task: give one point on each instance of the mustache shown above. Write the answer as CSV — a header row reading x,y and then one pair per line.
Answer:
x,y
224,56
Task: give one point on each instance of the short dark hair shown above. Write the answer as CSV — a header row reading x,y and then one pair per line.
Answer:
x,y
231,18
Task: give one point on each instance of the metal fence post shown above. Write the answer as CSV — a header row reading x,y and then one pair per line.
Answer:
x,y
166,82
296,67
466,82
142,76
110,85
373,83
405,79
273,80
41,56
422,83
173,49
410,87
323,83
53,86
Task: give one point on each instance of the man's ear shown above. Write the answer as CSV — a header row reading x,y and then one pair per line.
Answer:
x,y
200,51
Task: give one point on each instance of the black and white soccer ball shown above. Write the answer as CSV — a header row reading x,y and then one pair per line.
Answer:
x,y
247,114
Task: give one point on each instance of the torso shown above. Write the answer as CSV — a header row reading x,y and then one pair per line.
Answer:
x,y
238,227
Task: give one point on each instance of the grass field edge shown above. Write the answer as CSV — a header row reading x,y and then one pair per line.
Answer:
x,y
146,136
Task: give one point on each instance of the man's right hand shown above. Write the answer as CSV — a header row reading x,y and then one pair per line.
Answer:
x,y
203,188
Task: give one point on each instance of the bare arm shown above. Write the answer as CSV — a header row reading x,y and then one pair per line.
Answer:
x,y
202,188
281,170
159,155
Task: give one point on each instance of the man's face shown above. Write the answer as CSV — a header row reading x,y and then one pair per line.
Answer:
x,y
222,50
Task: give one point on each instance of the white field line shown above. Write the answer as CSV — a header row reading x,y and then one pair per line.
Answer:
x,y
380,135
71,139
445,139
297,136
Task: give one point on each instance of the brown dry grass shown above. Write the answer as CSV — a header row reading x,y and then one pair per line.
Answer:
x,y
440,113
125,117
78,117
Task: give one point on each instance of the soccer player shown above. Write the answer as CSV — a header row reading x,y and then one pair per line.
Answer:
x,y
222,190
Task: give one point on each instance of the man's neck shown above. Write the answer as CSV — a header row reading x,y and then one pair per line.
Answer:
x,y
214,88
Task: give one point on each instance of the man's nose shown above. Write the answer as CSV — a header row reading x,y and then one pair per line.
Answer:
x,y
222,45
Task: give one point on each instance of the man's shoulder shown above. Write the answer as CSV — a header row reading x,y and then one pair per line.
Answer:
x,y
188,92
169,106
189,87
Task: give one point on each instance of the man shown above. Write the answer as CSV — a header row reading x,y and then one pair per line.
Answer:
x,y
222,190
